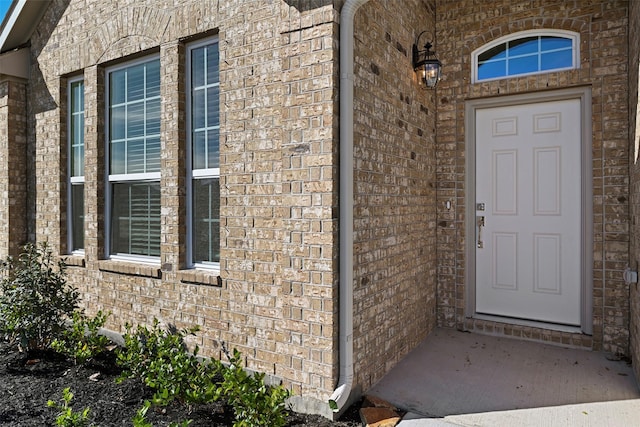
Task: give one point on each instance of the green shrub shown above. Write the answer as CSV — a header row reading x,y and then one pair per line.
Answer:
x,y
35,299
254,403
66,416
161,360
82,340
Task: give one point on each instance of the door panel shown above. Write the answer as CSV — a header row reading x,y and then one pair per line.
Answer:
x,y
528,175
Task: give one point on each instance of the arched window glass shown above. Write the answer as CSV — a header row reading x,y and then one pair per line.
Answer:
x,y
527,52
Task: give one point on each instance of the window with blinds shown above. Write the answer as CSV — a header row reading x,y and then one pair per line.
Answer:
x,y
134,159
203,82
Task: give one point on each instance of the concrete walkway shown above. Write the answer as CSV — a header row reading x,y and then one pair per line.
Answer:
x,y
621,413
462,379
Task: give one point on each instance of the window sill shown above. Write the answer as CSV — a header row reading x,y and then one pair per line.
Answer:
x,y
200,277
130,268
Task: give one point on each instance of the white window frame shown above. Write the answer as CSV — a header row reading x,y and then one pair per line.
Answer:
x,y
575,49
198,173
72,179
123,178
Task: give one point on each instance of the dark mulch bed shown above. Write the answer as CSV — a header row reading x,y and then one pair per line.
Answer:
x,y
27,382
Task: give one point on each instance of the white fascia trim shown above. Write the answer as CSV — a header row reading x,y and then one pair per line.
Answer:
x,y
10,21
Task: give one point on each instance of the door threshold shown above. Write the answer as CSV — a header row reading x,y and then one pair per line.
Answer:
x,y
531,323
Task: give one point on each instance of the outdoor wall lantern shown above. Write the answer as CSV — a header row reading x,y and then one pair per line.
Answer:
x,y
425,64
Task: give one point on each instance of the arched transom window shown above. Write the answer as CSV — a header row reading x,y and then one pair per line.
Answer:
x,y
526,52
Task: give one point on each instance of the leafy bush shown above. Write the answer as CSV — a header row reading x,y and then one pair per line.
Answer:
x,y
161,360
66,417
35,299
254,403
82,341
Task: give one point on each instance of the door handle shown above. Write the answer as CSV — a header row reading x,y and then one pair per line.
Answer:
x,y
480,225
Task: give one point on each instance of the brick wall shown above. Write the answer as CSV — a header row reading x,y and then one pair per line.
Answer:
x,y
634,153
13,180
464,26
275,299
394,189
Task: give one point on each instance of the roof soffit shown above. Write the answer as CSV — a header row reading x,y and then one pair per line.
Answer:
x,y
21,21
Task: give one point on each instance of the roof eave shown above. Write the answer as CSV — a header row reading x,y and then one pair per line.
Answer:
x,y
21,21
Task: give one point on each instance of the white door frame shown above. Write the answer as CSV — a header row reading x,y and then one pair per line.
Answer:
x,y
471,106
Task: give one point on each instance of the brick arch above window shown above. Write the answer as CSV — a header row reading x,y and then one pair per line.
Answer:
x,y
128,31
526,52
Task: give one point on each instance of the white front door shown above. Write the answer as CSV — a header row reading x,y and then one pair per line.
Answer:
x,y
528,211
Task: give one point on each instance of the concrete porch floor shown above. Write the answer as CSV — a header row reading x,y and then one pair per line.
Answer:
x,y
454,373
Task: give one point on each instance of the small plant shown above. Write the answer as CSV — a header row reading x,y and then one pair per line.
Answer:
x,y
161,360
82,341
35,299
254,403
140,419
66,416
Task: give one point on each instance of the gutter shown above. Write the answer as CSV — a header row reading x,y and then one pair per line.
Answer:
x,y
340,397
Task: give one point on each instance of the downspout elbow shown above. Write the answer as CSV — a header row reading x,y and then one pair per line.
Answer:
x,y
341,395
